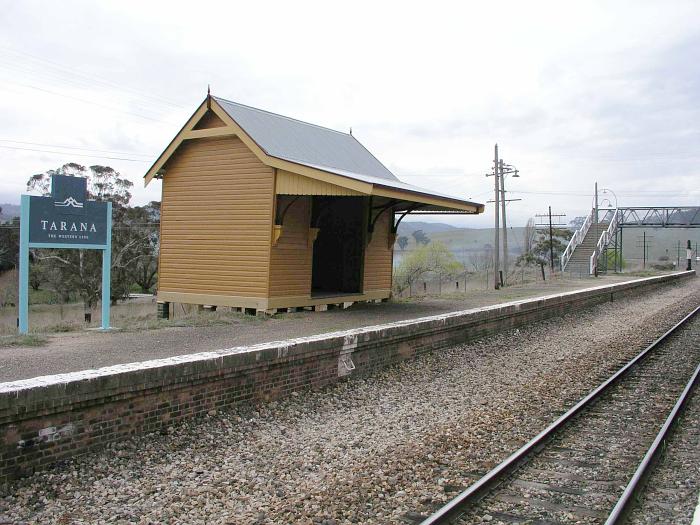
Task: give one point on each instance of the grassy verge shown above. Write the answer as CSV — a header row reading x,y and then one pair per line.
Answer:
x,y
13,341
190,320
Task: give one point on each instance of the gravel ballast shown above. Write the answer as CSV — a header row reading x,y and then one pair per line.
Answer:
x,y
579,475
672,490
378,449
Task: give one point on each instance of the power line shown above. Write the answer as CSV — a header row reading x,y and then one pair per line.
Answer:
x,y
88,102
72,154
78,148
43,78
588,194
71,70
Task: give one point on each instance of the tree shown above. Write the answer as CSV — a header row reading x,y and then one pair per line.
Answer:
x,y
145,270
433,258
402,241
37,275
576,223
529,235
537,244
420,237
9,244
541,250
482,260
81,270
442,262
103,183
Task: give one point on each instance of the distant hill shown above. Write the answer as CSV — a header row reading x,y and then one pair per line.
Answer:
x,y
9,211
463,242
408,227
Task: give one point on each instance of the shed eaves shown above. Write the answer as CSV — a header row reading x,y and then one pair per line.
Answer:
x,y
308,144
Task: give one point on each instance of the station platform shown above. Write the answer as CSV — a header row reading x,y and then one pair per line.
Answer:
x,y
76,351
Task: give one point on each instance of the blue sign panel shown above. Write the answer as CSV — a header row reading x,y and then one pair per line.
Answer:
x,y
67,217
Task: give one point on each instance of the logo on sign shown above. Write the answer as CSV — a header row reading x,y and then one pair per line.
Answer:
x,y
70,201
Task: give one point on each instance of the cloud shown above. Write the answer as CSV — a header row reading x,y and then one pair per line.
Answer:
x,y
573,93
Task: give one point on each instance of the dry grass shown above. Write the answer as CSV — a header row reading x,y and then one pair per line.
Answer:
x,y
9,341
191,319
132,315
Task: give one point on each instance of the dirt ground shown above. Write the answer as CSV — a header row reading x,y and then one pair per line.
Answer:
x,y
74,351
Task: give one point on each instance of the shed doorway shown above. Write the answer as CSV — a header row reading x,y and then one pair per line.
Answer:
x,y
339,249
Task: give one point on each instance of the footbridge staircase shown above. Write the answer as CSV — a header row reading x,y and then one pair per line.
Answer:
x,y
588,250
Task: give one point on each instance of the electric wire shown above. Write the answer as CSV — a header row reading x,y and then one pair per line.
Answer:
x,y
72,154
79,99
93,150
73,72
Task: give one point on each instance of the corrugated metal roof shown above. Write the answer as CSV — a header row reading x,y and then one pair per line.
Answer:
x,y
319,148
303,143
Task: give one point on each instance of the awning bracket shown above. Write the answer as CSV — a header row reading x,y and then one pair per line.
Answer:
x,y
415,207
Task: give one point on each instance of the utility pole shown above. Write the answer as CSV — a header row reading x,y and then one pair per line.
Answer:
x,y
551,242
505,230
597,230
496,242
550,224
596,203
500,170
646,242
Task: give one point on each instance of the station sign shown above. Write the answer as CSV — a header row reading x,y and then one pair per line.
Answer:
x,y
67,216
66,219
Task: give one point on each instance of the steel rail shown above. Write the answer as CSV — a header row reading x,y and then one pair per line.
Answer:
x,y
479,489
634,487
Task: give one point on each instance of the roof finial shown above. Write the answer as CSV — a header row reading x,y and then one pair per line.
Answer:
x,y
350,130
208,97
208,90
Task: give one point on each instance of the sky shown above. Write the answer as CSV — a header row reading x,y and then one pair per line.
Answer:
x,y
572,92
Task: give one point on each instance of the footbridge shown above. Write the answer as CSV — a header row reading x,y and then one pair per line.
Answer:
x,y
587,251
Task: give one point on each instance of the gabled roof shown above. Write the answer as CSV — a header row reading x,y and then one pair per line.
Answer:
x,y
311,151
308,144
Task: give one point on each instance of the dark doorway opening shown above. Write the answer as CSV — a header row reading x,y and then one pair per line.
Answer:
x,y
339,250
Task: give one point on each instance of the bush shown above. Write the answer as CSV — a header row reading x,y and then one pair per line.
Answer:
x,y
433,258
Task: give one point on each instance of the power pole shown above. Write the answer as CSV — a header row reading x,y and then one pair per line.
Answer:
x,y
496,242
645,243
549,223
500,170
597,230
551,242
505,230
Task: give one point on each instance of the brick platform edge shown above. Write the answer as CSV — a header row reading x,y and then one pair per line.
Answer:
x,y
47,419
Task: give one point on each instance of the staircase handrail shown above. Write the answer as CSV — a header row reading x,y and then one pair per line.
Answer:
x,y
576,239
604,240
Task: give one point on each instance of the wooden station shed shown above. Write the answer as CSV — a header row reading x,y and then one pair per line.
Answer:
x,y
264,212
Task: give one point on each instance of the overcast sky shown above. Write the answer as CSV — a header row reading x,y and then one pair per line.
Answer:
x,y
572,92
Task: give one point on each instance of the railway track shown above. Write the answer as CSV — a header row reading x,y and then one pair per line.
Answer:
x,y
588,466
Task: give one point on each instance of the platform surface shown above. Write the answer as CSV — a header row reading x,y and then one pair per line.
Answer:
x,y
76,351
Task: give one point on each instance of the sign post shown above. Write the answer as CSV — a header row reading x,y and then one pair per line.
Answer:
x,y
65,219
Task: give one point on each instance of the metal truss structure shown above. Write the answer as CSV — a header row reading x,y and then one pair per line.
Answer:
x,y
608,255
660,217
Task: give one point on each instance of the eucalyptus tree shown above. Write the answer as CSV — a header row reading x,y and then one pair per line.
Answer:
x,y
79,271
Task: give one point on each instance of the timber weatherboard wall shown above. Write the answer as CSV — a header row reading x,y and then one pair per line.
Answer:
x,y
216,221
379,255
51,418
289,183
291,258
